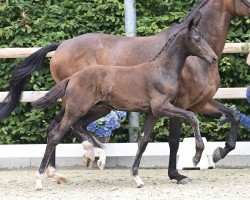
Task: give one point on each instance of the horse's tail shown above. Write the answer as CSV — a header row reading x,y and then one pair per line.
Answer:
x,y
52,96
19,76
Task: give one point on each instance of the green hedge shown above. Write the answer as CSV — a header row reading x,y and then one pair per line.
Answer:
x,y
30,23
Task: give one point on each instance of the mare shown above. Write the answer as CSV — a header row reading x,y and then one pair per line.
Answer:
x,y
198,83
149,88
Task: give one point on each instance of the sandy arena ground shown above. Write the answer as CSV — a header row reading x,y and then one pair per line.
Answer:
x,y
117,184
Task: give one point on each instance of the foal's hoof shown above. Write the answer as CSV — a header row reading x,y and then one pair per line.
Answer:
x,y
217,154
61,180
184,181
39,186
195,161
140,185
139,182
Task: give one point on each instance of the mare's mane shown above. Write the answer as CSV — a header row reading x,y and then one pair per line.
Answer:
x,y
184,22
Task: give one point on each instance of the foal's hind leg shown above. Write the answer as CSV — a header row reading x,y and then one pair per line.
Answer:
x,y
54,138
149,123
51,170
172,111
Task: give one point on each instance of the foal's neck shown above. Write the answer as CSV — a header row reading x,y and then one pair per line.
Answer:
x,y
172,58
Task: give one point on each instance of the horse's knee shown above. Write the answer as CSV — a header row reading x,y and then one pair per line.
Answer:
x,y
192,118
236,118
200,146
230,146
53,138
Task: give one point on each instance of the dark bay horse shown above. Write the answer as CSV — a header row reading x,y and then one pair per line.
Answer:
x,y
194,93
149,87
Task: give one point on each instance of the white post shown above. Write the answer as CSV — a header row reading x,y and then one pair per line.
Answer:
x,y
248,59
130,28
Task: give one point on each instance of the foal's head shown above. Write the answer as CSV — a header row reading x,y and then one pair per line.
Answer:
x,y
197,44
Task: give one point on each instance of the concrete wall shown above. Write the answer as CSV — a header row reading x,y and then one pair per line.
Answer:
x,y
118,155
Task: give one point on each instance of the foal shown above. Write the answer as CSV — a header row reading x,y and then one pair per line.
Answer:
x,y
148,88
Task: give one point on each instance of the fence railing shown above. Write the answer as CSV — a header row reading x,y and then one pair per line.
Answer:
x,y
222,93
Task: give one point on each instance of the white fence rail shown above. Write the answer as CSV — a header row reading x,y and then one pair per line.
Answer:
x,y
222,93
25,52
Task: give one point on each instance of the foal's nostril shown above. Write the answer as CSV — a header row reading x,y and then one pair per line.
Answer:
x,y
214,59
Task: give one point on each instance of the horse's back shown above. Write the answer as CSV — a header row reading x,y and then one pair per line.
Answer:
x,y
96,48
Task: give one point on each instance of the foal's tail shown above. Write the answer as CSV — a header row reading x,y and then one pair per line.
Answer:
x,y
19,76
53,95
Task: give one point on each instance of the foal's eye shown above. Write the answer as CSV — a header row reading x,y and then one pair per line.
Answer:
x,y
197,39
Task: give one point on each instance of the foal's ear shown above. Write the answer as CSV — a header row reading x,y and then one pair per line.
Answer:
x,y
191,24
197,19
194,22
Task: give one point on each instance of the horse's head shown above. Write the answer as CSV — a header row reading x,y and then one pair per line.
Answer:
x,y
238,7
197,44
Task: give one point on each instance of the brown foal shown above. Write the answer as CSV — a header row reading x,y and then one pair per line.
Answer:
x,y
198,82
149,87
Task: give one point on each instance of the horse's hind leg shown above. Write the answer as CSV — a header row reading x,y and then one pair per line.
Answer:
x,y
149,123
91,143
174,138
51,170
94,114
54,138
215,108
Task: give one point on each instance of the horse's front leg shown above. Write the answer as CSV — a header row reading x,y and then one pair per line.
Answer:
x,y
149,123
215,108
170,110
174,139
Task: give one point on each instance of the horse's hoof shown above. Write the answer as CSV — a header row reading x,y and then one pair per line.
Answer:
x,y
217,155
100,165
86,161
184,181
61,180
140,185
139,182
38,187
195,161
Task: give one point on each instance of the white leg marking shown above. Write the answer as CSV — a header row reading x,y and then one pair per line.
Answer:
x,y
39,181
102,158
52,173
139,182
89,153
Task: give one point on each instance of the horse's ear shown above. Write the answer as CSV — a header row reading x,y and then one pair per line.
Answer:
x,y
191,24
194,22
197,19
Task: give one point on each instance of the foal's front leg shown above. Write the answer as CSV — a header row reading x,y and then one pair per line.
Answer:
x,y
149,123
172,111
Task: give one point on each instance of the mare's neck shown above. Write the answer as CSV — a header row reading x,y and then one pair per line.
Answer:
x,y
214,24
